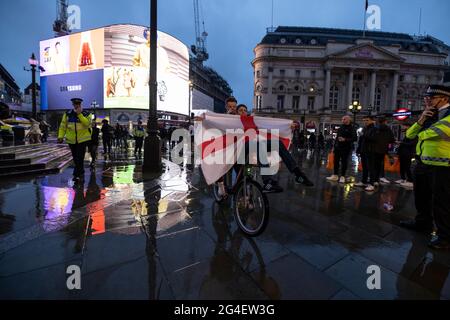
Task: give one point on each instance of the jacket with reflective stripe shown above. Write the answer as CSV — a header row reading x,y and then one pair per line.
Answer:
x,y
434,142
76,128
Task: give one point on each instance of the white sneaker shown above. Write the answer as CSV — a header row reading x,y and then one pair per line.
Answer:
x,y
400,181
360,184
407,184
384,181
333,178
370,188
342,180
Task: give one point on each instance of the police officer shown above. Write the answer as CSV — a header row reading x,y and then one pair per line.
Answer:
x,y
138,135
76,128
432,173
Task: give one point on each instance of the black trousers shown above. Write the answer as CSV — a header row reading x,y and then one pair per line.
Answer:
x,y
93,147
341,160
78,152
371,166
107,142
431,193
405,167
138,144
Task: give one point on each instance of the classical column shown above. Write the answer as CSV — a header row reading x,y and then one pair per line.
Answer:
x,y
326,95
393,105
270,98
350,87
373,81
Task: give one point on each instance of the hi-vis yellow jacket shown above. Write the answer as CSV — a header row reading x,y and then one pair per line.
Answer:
x,y
76,128
139,132
433,147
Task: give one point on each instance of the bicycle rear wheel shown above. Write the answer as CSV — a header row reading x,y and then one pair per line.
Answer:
x,y
251,208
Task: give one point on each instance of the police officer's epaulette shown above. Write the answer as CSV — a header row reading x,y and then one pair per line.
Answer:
x,y
85,113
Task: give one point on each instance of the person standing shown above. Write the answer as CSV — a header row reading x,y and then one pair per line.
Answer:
x,y
345,137
312,141
76,128
406,151
138,135
384,137
107,136
93,145
124,136
432,172
118,136
366,152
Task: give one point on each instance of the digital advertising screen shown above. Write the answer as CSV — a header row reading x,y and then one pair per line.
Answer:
x,y
111,67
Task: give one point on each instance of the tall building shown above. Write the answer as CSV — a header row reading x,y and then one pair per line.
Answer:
x,y
209,90
9,90
316,73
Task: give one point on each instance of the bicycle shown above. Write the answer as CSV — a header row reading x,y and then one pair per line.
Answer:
x,y
249,204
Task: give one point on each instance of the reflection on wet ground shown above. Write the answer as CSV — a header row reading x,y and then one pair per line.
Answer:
x,y
163,237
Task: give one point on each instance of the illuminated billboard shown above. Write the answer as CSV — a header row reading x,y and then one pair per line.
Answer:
x,y
122,54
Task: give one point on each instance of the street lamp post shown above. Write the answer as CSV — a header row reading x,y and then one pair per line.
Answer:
x,y
355,108
33,63
152,149
191,87
94,106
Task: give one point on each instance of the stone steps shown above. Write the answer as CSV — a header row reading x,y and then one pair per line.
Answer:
x,y
34,159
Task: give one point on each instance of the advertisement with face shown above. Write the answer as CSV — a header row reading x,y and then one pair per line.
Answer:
x,y
87,50
127,61
55,56
61,88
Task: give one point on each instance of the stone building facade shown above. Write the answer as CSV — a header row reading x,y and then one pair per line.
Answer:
x,y
316,73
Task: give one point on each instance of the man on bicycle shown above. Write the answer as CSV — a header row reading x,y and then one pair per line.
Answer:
x,y
270,184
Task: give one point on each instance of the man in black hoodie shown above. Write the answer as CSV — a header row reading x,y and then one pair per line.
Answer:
x,y
382,139
343,146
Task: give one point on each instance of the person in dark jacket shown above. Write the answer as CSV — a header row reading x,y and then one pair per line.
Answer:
x,y
107,136
93,146
365,150
406,151
383,138
321,141
343,146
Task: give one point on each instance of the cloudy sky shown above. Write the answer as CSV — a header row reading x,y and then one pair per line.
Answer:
x,y
235,27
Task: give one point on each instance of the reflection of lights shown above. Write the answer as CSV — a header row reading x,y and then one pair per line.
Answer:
x,y
57,205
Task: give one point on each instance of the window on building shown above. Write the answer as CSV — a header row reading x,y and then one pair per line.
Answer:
x,y
377,99
311,101
282,72
402,78
258,74
313,74
296,103
356,94
358,77
297,73
280,103
334,97
258,102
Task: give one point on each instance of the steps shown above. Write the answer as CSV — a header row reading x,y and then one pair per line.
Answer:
x,y
34,159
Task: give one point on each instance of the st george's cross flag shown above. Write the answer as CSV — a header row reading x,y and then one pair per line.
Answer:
x,y
219,148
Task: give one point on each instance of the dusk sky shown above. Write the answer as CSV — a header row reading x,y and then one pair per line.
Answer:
x,y
235,27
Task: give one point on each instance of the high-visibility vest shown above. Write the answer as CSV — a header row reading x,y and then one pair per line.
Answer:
x,y
76,128
433,146
139,132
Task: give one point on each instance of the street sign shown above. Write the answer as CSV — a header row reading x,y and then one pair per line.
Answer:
x,y
402,114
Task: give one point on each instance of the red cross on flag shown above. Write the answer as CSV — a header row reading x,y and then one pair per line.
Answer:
x,y
220,141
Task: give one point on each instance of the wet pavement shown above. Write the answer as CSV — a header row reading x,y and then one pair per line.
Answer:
x,y
163,237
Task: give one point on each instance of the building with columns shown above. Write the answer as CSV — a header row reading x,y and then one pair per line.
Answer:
x,y
316,73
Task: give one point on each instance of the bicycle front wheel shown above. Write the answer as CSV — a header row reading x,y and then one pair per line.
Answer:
x,y
251,208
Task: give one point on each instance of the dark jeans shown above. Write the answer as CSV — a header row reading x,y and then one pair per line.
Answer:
x,y
107,142
341,160
138,145
405,167
93,147
371,167
431,192
78,152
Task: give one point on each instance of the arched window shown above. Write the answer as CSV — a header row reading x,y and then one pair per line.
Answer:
x,y
334,97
